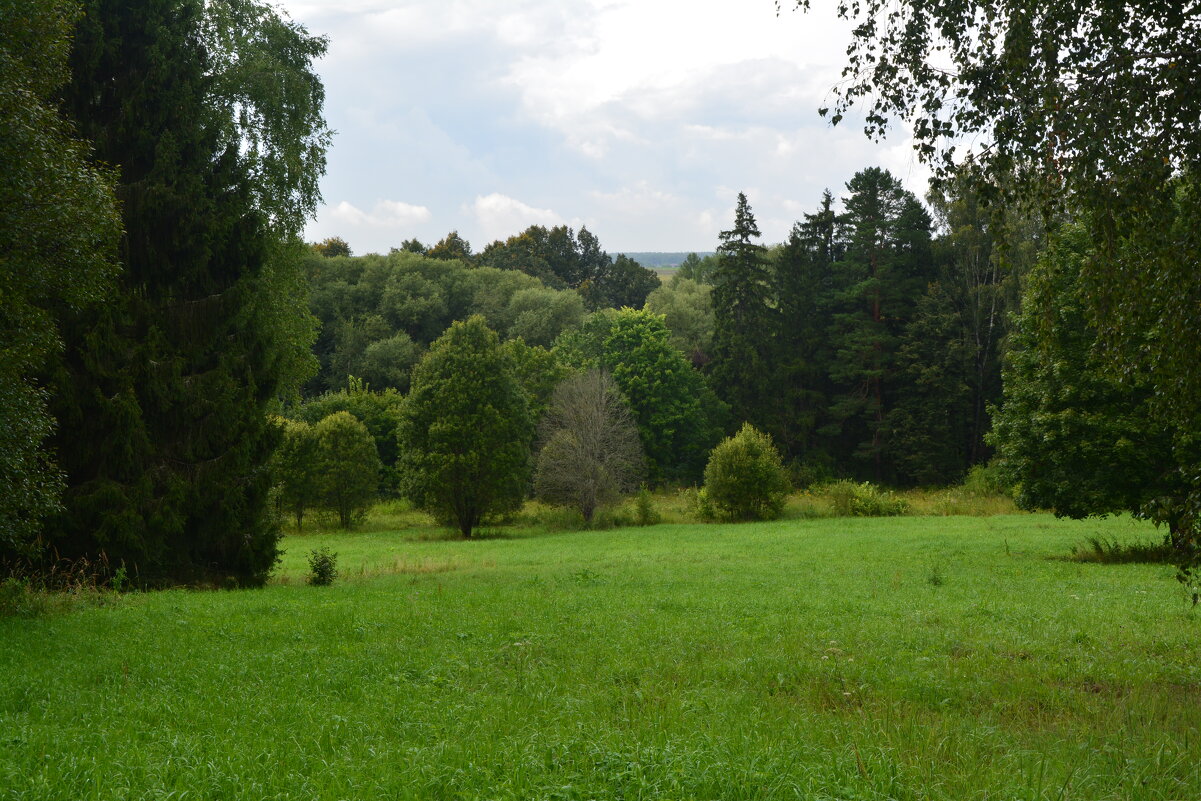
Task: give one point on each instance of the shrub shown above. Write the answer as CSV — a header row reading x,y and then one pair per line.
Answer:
x,y
985,480
17,598
850,499
745,479
323,567
645,513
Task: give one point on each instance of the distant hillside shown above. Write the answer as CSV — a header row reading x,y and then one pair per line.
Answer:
x,y
657,260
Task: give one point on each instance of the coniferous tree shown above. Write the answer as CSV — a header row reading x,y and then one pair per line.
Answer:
x,y
742,319
162,398
801,354
886,267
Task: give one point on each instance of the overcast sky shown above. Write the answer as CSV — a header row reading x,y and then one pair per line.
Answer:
x,y
641,119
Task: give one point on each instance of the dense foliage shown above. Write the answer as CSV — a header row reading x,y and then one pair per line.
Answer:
x,y
1089,108
465,429
379,313
378,411
679,419
744,479
293,468
210,115
864,345
58,229
346,467
1073,437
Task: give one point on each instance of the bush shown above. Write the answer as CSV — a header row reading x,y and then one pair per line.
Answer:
x,y
323,567
745,479
850,499
645,513
17,598
985,480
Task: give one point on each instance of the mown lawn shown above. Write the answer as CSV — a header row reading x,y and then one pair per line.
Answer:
x,y
904,658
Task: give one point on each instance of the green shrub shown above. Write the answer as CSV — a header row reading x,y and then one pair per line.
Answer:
x,y
850,499
18,598
983,480
323,567
745,479
645,513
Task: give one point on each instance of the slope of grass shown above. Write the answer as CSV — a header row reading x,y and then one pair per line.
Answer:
x,y
901,658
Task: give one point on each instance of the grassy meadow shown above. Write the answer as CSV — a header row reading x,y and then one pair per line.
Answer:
x,y
922,657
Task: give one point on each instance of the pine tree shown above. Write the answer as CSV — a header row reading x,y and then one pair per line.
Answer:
x,y
801,357
743,319
162,398
885,269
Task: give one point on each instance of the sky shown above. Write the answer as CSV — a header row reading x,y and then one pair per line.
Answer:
x,y
641,120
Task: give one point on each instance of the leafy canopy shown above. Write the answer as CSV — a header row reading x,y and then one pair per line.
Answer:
x,y
465,429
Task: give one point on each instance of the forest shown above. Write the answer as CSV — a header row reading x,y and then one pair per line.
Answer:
x,y
180,369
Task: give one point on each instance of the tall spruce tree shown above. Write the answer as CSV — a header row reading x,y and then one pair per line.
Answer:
x,y
886,267
742,319
211,115
801,356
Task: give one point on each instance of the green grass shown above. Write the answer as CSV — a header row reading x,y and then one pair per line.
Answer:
x,y
898,658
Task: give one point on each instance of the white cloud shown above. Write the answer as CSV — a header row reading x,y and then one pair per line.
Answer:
x,y
385,214
643,118
500,216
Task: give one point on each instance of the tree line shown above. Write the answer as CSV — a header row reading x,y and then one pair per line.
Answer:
x,y
162,322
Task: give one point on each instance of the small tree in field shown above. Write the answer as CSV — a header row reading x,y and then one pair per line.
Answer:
x,y
591,454
295,469
347,466
465,429
745,479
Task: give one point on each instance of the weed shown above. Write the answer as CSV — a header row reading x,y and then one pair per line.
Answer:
x,y
1112,552
850,499
18,598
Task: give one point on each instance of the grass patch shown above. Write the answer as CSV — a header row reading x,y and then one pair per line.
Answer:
x,y
1108,551
857,658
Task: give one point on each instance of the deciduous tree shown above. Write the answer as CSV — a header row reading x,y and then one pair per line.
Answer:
x,y
1071,436
346,465
58,230
465,429
590,454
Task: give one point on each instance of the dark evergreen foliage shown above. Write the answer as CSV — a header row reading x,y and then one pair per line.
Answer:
x,y
743,320
163,395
